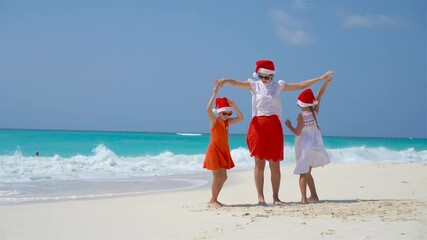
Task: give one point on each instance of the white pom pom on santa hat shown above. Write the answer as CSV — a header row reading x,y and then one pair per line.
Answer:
x,y
222,105
307,99
264,66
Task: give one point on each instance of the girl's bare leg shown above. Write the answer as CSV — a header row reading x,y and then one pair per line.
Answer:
x,y
313,194
259,179
303,187
219,178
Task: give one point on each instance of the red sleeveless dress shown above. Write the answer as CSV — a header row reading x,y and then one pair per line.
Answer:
x,y
218,152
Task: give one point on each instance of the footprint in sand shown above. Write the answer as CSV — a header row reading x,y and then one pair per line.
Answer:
x,y
262,215
329,232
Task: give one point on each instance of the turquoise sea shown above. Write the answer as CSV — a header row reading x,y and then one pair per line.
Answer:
x,y
88,164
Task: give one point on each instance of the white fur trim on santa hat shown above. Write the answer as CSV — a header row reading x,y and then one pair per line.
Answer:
x,y
302,104
223,109
263,70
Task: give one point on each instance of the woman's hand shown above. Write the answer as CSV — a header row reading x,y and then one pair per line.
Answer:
x,y
326,75
219,82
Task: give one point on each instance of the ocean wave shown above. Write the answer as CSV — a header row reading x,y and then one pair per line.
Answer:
x,y
189,134
376,155
104,163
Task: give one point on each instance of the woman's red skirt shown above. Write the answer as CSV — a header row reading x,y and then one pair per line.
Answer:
x,y
265,138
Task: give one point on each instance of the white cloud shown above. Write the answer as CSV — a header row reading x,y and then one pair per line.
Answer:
x,y
289,29
373,20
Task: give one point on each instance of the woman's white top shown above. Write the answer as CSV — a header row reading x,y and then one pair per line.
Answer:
x,y
266,98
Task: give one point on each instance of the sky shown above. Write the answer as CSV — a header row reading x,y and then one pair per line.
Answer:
x,y
149,66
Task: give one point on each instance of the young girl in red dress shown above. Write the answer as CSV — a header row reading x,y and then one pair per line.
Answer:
x,y
218,158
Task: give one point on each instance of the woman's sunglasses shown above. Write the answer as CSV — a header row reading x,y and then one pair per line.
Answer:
x,y
226,114
264,77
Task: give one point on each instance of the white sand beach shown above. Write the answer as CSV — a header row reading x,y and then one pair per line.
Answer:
x,y
358,201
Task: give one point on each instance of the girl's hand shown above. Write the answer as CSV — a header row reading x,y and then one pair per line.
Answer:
x,y
288,123
231,102
329,79
216,89
219,82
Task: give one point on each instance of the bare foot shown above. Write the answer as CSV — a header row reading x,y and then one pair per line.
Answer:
x,y
304,201
278,202
215,204
313,199
264,204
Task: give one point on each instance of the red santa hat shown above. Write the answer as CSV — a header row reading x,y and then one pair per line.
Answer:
x,y
307,99
264,66
222,105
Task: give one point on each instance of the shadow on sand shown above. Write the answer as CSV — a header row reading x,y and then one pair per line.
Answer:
x,y
284,204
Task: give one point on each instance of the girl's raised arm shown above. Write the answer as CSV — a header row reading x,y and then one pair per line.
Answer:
x,y
210,103
321,92
239,114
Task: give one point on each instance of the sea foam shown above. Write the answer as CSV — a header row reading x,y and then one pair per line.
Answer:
x,y
103,163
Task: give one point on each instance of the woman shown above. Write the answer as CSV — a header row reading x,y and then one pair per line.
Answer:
x,y
265,133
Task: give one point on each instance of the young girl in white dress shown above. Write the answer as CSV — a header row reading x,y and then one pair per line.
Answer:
x,y
309,149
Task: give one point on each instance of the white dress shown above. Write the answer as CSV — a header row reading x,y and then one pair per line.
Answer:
x,y
309,149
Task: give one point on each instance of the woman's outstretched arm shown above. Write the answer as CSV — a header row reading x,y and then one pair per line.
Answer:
x,y
306,83
232,82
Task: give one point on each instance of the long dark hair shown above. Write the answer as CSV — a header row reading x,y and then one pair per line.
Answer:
x,y
314,115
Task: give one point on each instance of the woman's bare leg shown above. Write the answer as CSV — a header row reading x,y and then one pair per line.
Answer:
x,y
259,179
275,180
